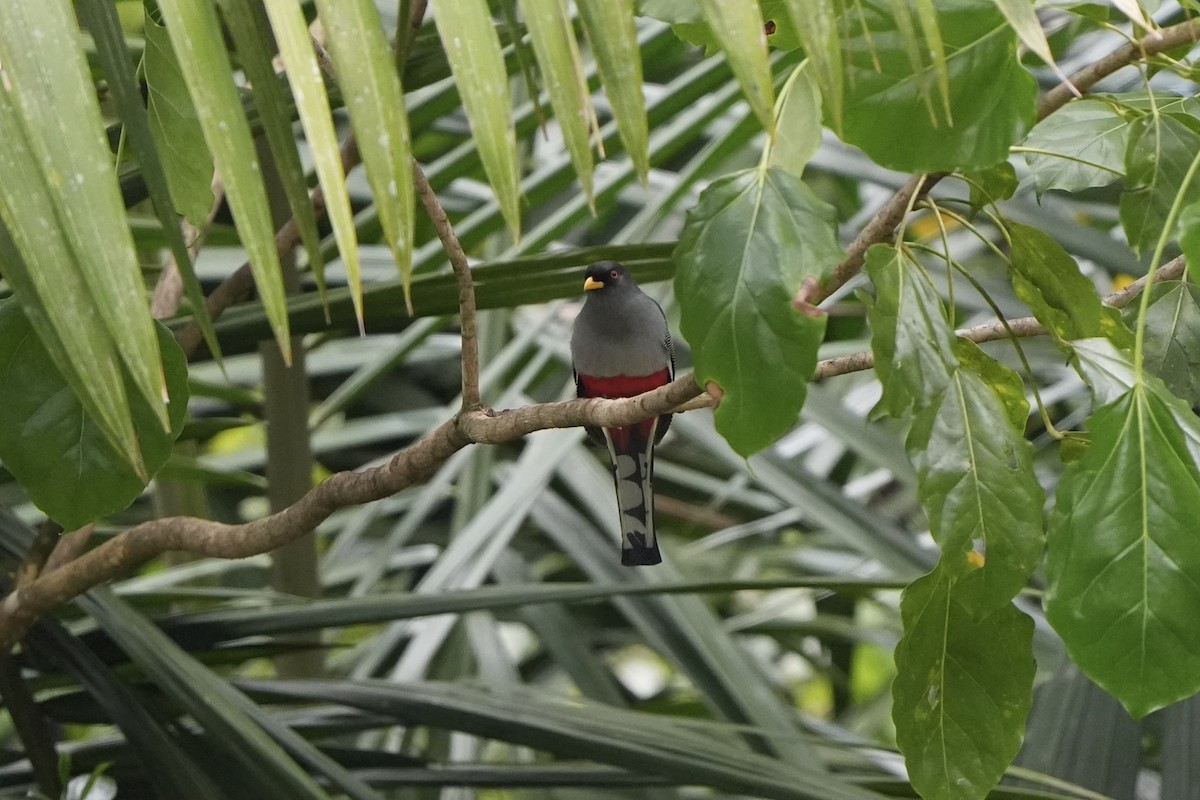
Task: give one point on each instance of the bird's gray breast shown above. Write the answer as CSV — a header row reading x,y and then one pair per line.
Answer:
x,y
625,338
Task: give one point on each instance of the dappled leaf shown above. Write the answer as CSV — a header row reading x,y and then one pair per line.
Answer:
x,y
1172,348
1079,146
912,341
54,447
1158,157
746,248
1122,551
963,688
991,96
1047,278
978,488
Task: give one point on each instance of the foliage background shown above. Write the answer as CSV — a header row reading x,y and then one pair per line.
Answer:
x,y
475,632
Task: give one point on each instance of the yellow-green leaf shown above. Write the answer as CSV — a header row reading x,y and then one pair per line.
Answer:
x,y
296,49
816,24
196,36
613,37
473,49
372,93
738,26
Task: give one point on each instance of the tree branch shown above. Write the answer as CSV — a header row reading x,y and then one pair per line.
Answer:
x,y
412,465
994,331
881,226
466,288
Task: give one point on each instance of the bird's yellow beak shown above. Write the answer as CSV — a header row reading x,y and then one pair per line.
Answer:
x,y
591,283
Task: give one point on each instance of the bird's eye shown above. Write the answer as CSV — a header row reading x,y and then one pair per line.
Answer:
x,y
614,274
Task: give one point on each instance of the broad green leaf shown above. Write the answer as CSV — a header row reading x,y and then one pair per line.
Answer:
x,y
1107,370
978,488
300,61
196,36
612,35
738,27
65,270
1159,154
1172,347
797,121
53,446
375,101
991,96
473,49
746,248
176,128
1048,280
1079,146
1006,384
247,23
553,38
964,685
687,20
816,23
103,21
1122,551
910,336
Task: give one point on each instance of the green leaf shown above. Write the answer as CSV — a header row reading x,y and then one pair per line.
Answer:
x,y
1172,346
247,23
473,49
1122,551
797,122
1079,146
963,688
977,486
67,251
746,248
816,24
991,96
175,126
910,337
558,57
54,447
1048,280
1023,19
104,23
296,50
1006,384
200,47
993,184
1158,157
739,29
373,97
612,35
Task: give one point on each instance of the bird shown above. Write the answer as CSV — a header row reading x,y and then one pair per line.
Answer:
x,y
621,347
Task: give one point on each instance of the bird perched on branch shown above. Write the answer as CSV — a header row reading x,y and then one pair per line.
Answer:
x,y
621,348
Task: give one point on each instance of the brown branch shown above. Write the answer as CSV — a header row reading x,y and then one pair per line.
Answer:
x,y
881,226
466,287
412,465
993,331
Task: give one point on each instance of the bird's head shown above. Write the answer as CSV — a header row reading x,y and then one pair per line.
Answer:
x,y
607,277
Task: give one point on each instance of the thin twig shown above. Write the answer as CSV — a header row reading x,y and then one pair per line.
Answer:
x,y
466,287
994,331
